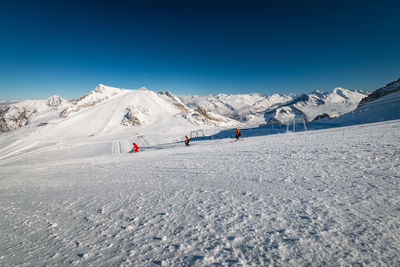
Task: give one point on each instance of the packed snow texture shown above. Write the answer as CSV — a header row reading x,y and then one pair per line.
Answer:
x,y
328,197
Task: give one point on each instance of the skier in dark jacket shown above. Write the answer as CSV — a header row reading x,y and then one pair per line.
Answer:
x,y
187,141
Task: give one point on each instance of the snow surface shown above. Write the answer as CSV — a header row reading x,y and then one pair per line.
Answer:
x,y
328,197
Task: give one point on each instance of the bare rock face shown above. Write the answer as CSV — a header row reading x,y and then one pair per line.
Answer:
x,y
135,115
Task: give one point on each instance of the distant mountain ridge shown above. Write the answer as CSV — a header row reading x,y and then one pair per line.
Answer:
x,y
247,108
141,108
316,105
254,109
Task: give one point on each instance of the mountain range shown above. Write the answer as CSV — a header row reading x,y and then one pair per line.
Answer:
x,y
254,109
108,110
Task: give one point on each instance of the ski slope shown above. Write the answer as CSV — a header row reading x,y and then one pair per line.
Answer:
x,y
328,197
105,121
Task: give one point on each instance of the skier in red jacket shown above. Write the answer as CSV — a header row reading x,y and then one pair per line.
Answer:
x,y
135,148
238,134
187,141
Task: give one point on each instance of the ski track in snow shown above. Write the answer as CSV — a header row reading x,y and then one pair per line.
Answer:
x,y
328,197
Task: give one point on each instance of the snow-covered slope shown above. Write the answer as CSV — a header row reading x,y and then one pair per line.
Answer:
x,y
118,117
317,198
311,106
388,89
21,113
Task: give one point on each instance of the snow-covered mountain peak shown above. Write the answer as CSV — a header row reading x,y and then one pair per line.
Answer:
x,y
98,95
342,95
56,101
105,90
248,108
107,111
315,104
340,92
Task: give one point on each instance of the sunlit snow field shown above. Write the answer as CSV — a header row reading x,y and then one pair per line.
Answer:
x,y
327,197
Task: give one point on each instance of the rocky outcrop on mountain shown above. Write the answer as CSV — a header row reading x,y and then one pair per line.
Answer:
x,y
55,101
135,116
13,117
19,114
322,116
98,95
381,92
170,97
199,115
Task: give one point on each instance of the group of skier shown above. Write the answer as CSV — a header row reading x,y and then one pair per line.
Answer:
x,y
135,148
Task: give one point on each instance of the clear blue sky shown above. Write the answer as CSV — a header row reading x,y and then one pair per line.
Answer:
x,y
196,47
